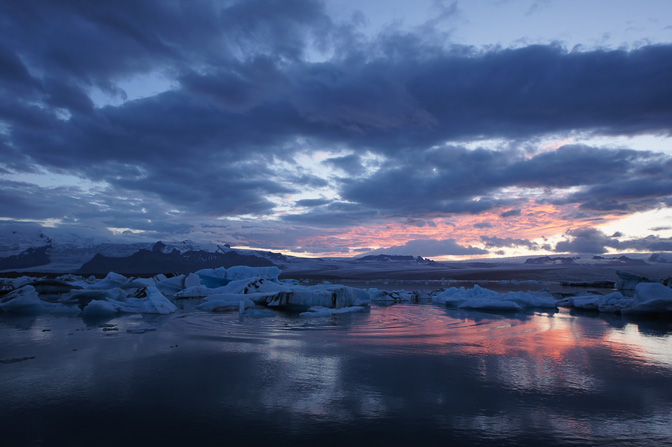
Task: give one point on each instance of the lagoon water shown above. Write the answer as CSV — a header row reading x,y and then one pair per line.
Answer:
x,y
397,375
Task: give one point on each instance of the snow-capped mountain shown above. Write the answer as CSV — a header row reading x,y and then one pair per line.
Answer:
x,y
30,248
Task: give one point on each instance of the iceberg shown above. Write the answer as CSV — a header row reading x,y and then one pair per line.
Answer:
x,y
111,281
485,299
651,299
100,309
26,301
213,278
83,297
243,272
157,303
331,296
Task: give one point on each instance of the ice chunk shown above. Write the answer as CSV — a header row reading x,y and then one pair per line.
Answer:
x,y
26,301
213,278
16,283
195,292
84,296
159,303
110,281
144,282
100,309
651,298
170,286
408,296
587,302
649,291
331,296
319,311
192,280
481,298
253,285
615,302
243,272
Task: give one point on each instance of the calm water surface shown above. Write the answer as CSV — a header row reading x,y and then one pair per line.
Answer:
x,y
395,375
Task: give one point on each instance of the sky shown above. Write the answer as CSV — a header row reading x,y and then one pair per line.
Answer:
x,y
449,130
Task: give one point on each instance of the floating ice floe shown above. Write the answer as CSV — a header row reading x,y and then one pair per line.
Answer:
x,y
26,301
331,296
649,299
399,296
485,299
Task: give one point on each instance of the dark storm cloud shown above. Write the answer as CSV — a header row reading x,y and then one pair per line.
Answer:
x,y
625,195
586,240
482,225
510,213
454,179
102,208
496,242
431,247
249,92
593,241
350,164
312,202
419,223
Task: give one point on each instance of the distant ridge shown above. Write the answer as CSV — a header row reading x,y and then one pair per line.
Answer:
x,y
394,258
547,260
31,257
157,261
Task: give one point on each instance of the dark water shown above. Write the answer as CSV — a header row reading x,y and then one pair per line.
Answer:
x,y
418,375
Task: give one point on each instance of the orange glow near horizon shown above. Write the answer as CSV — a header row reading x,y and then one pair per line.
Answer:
x,y
535,222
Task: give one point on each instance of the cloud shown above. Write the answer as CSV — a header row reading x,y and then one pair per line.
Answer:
x,y
591,240
351,164
313,202
497,242
431,247
510,213
255,84
481,225
457,180
586,240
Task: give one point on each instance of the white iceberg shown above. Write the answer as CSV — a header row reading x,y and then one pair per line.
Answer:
x,y
213,278
171,286
84,296
243,272
485,299
100,309
253,285
111,281
331,296
398,296
196,292
157,303
26,301
651,299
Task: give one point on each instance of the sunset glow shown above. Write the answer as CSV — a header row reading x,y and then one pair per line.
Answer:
x,y
323,128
